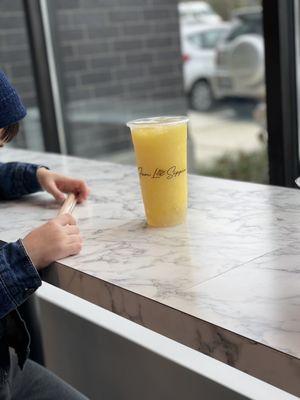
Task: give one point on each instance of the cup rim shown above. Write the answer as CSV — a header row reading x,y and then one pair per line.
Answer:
x,y
159,120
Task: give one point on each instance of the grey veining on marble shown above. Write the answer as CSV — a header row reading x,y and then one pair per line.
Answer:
x,y
226,283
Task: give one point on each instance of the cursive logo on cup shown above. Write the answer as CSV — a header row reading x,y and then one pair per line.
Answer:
x,y
142,173
158,173
172,172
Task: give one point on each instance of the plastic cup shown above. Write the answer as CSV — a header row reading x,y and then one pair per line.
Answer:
x,y
160,145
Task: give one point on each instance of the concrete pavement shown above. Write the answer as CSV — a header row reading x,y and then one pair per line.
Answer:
x,y
227,130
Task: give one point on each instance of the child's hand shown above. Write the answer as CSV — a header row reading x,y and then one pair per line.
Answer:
x,y
57,185
52,241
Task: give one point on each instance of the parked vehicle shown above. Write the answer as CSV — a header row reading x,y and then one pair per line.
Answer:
x,y
198,45
197,12
240,58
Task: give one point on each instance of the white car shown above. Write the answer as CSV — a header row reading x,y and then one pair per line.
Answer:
x,y
197,12
198,45
240,58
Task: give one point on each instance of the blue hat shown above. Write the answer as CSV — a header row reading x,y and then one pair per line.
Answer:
x,y
12,109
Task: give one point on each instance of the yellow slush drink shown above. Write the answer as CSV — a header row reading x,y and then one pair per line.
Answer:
x,y
160,148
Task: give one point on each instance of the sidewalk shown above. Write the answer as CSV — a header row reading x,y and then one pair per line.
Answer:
x,y
214,134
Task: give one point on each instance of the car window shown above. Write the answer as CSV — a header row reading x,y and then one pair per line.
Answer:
x,y
210,39
253,26
206,40
195,40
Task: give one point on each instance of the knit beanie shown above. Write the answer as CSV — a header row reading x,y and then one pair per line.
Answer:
x,y
11,108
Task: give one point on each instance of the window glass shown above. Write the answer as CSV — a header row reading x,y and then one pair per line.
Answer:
x,y
195,39
225,89
16,63
211,38
207,39
124,60
246,27
118,61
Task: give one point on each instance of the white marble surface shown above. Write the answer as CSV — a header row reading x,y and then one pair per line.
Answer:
x,y
234,265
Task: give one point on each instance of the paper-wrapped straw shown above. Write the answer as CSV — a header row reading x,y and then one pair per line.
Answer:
x,y
68,205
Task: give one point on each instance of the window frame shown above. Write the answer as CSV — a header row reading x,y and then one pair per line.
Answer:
x,y
281,97
46,75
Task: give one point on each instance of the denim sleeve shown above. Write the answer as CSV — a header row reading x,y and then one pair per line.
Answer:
x,y
18,179
18,277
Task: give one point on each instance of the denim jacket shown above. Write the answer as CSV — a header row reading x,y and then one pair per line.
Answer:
x,y
18,276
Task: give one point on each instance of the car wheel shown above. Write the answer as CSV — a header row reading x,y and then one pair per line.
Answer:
x,y
201,97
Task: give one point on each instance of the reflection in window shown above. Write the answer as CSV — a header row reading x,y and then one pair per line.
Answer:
x,y
119,61
225,86
123,60
16,63
207,39
211,38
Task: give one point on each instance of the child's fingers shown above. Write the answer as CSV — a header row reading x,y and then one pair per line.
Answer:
x,y
66,219
56,193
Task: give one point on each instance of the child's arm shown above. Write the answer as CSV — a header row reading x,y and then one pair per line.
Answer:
x,y
18,179
19,261
57,185
18,277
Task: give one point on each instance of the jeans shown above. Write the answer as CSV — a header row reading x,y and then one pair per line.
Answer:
x,y
35,382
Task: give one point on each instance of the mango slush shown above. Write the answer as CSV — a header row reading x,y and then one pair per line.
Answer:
x,y
160,150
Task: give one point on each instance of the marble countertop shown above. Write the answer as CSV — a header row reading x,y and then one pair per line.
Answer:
x,y
226,283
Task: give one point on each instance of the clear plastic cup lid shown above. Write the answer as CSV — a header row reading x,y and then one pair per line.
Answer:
x,y
162,120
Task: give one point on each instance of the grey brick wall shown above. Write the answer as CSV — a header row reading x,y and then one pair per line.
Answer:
x,y
124,47
14,50
108,49
116,43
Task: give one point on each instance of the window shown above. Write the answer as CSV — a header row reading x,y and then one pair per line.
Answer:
x,y
114,64
207,39
195,40
245,27
211,38
225,89
16,63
